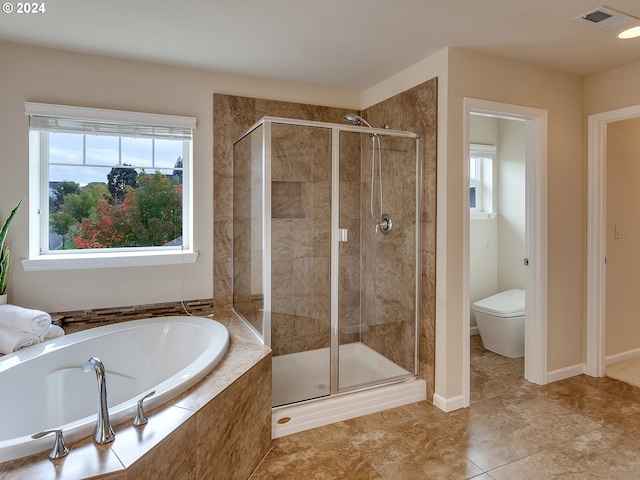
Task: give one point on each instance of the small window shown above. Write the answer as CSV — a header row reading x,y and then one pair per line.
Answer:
x,y
473,196
481,177
108,182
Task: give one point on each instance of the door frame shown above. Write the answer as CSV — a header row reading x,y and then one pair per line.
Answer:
x,y
596,235
535,119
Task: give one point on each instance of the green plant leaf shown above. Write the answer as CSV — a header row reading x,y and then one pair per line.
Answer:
x,y
4,253
5,226
4,268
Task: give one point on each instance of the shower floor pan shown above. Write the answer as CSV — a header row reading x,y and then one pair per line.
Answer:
x,y
305,375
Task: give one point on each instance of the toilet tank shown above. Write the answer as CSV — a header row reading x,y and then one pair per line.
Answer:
x,y
509,303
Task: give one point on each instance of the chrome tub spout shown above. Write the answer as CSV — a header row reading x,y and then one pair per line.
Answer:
x,y
103,433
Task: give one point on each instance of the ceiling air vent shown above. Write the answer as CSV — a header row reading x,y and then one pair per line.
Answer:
x,y
606,18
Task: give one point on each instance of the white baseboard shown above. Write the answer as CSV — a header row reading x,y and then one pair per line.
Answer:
x,y
581,368
620,357
448,404
566,372
474,331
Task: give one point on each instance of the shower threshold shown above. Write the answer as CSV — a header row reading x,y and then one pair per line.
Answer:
x,y
307,415
375,384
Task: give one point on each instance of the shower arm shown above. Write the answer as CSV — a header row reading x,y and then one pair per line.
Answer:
x,y
382,224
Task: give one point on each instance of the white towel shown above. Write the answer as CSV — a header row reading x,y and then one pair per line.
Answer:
x,y
12,340
54,331
25,319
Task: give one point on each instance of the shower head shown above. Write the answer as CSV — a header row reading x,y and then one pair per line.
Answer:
x,y
356,119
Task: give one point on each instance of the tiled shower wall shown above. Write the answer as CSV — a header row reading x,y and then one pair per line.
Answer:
x,y
414,110
300,238
389,260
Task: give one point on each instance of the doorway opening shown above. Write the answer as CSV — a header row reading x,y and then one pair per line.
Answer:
x,y
533,253
497,247
597,242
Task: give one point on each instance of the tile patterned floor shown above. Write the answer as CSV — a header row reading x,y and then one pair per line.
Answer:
x,y
579,428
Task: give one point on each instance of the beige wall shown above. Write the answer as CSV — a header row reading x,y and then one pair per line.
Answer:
x,y
612,90
617,88
51,76
623,255
496,79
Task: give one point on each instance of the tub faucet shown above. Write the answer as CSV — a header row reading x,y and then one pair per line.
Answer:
x,y
103,433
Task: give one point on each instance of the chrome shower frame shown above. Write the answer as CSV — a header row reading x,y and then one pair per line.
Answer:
x,y
336,128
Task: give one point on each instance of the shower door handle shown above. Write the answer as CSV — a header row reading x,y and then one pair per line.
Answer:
x,y
342,234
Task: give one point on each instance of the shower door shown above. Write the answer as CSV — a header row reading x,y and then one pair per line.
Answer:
x,y
300,261
248,232
378,281
314,274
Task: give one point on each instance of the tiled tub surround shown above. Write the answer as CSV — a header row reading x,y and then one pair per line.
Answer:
x,y
219,429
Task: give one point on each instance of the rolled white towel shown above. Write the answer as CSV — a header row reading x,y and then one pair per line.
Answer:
x,y
12,340
54,331
25,319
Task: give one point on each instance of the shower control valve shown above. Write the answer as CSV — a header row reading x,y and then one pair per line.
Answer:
x,y
384,225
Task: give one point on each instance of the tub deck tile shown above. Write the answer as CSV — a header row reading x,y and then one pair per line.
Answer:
x,y
132,443
85,460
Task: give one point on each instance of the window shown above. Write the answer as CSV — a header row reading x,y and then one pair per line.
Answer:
x,y
108,185
475,183
481,177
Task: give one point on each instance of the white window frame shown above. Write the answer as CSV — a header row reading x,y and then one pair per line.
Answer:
x,y
39,256
481,154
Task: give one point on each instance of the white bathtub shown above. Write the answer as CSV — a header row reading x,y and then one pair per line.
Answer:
x,y
43,387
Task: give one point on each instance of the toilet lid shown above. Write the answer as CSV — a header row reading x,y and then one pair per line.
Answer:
x,y
509,303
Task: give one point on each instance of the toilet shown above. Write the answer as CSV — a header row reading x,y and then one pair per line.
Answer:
x,y
500,320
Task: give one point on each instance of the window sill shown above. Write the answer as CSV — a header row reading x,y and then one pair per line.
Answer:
x,y
482,215
106,260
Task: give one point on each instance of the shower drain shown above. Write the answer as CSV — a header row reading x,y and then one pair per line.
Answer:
x,y
321,386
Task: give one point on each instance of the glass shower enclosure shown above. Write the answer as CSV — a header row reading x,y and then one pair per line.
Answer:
x,y
329,285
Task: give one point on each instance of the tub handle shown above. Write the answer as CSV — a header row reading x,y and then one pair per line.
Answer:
x,y
141,418
59,449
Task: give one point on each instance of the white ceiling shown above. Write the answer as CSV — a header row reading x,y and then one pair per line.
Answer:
x,y
346,44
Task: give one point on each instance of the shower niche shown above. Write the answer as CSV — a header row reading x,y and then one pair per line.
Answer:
x,y
314,275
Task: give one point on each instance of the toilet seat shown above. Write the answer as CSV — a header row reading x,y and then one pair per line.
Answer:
x,y
507,304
